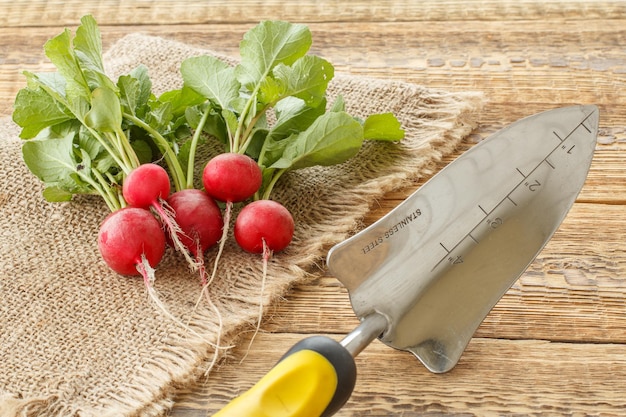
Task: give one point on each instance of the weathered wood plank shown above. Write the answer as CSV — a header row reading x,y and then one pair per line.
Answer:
x,y
559,70
164,12
530,65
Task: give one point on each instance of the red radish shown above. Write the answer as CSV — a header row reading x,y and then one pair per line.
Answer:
x,y
263,226
127,235
264,221
132,242
200,222
147,186
232,177
199,218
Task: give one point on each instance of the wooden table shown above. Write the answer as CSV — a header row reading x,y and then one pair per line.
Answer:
x,y
556,342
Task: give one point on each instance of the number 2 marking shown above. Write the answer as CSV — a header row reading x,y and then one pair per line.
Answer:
x,y
532,186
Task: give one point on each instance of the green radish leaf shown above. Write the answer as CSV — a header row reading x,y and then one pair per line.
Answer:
x,y
135,91
193,116
51,82
86,141
338,105
307,78
104,162
54,194
271,90
181,100
106,112
333,138
384,127
59,164
35,110
211,78
160,115
145,89
268,44
293,116
273,150
55,86
51,159
129,93
59,51
88,51
88,44
84,165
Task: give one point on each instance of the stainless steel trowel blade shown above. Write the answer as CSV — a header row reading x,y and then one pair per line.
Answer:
x,y
436,265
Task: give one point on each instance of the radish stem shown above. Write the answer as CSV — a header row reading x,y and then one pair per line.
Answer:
x,y
127,149
270,186
176,170
194,145
112,200
247,135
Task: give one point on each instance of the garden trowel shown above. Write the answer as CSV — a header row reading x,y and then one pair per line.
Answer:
x,y
424,276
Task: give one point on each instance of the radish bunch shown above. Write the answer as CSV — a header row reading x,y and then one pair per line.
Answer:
x,y
189,219
88,134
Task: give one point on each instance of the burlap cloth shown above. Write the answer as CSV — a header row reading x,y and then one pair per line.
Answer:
x,y
79,340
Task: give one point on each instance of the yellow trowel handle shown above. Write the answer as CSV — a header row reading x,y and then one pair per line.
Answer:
x,y
314,378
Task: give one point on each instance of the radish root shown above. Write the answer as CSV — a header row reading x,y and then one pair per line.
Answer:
x,y
149,276
267,254
168,217
227,215
205,294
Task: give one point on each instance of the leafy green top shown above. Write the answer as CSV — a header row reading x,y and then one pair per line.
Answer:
x,y
84,132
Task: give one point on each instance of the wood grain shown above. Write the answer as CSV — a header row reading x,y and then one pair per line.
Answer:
x,y
555,343
494,377
154,12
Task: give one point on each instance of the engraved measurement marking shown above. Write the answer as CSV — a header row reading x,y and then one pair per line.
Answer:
x,y
532,186
483,210
585,126
456,261
582,123
495,223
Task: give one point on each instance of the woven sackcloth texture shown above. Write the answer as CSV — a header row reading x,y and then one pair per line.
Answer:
x,y
79,340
